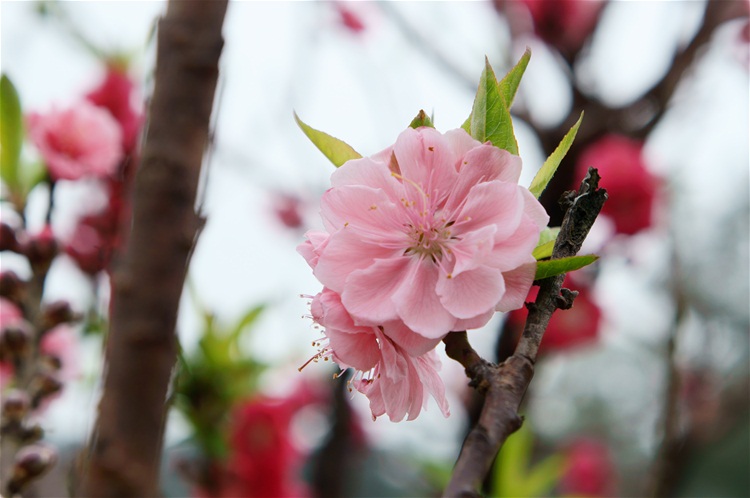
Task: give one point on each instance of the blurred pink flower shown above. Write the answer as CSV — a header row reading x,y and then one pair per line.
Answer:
x,y
116,94
434,232
393,365
288,210
62,343
590,471
83,140
632,188
349,18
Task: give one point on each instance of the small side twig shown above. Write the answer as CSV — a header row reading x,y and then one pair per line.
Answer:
x,y
505,384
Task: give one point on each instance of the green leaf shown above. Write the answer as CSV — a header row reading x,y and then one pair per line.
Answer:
x,y
11,132
422,119
552,267
544,251
546,243
247,320
547,171
544,475
337,151
509,83
490,117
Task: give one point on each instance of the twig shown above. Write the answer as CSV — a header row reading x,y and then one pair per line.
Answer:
x,y
125,447
505,384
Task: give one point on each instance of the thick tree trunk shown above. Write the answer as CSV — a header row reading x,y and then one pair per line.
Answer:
x,y
126,445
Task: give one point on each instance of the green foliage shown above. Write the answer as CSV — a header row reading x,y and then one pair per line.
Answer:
x,y
515,476
422,119
490,116
552,267
546,243
548,169
11,132
509,83
337,151
212,379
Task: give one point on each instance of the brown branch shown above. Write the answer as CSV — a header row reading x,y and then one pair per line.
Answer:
x,y
505,384
126,444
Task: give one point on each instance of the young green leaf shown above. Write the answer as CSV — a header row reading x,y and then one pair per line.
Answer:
x,y
552,267
337,151
11,132
509,83
543,251
490,117
547,171
422,119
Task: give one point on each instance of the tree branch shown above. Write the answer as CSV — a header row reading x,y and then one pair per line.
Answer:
x,y
505,384
125,448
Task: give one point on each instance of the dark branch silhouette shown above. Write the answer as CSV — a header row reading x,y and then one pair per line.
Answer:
x,y
504,385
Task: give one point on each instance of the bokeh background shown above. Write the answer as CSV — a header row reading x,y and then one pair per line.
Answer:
x,y
677,275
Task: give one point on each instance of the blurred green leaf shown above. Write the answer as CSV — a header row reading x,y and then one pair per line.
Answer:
x,y
11,132
337,151
552,267
515,477
422,119
490,116
509,83
548,169
246,320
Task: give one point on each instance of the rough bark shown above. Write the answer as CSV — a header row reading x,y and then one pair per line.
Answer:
x,y
126,444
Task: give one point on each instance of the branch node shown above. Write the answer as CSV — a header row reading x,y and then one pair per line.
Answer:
x,y
565,300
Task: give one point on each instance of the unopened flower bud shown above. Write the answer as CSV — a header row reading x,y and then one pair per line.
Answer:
x,y
15,340
11,286
41,249
56,313
44,384
31,462
16,405
8,240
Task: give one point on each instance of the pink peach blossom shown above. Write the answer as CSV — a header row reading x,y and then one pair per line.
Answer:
x,y
83,140
394,365
434,232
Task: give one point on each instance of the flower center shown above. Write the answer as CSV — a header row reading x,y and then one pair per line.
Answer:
x,y
429,240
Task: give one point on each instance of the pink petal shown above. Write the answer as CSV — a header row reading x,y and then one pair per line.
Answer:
x,y
517,285
493,203
359,351
370,172
345,253
476,322
365,209
516,249
472,248
328,310
472,292
312,247
461,142
427,366
417,303
534,209
369,292
485,163
426,158
407,339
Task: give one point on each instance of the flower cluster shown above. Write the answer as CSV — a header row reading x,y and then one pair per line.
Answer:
x,y
429,236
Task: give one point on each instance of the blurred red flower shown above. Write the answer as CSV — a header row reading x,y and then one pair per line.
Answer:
x,y
567,329
632,188
590,471
564,24
117,94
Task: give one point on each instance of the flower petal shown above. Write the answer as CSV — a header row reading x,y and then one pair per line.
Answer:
x,y
365,209
427,159
417,303
492,203
369,293
517,285
408,340
472,292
